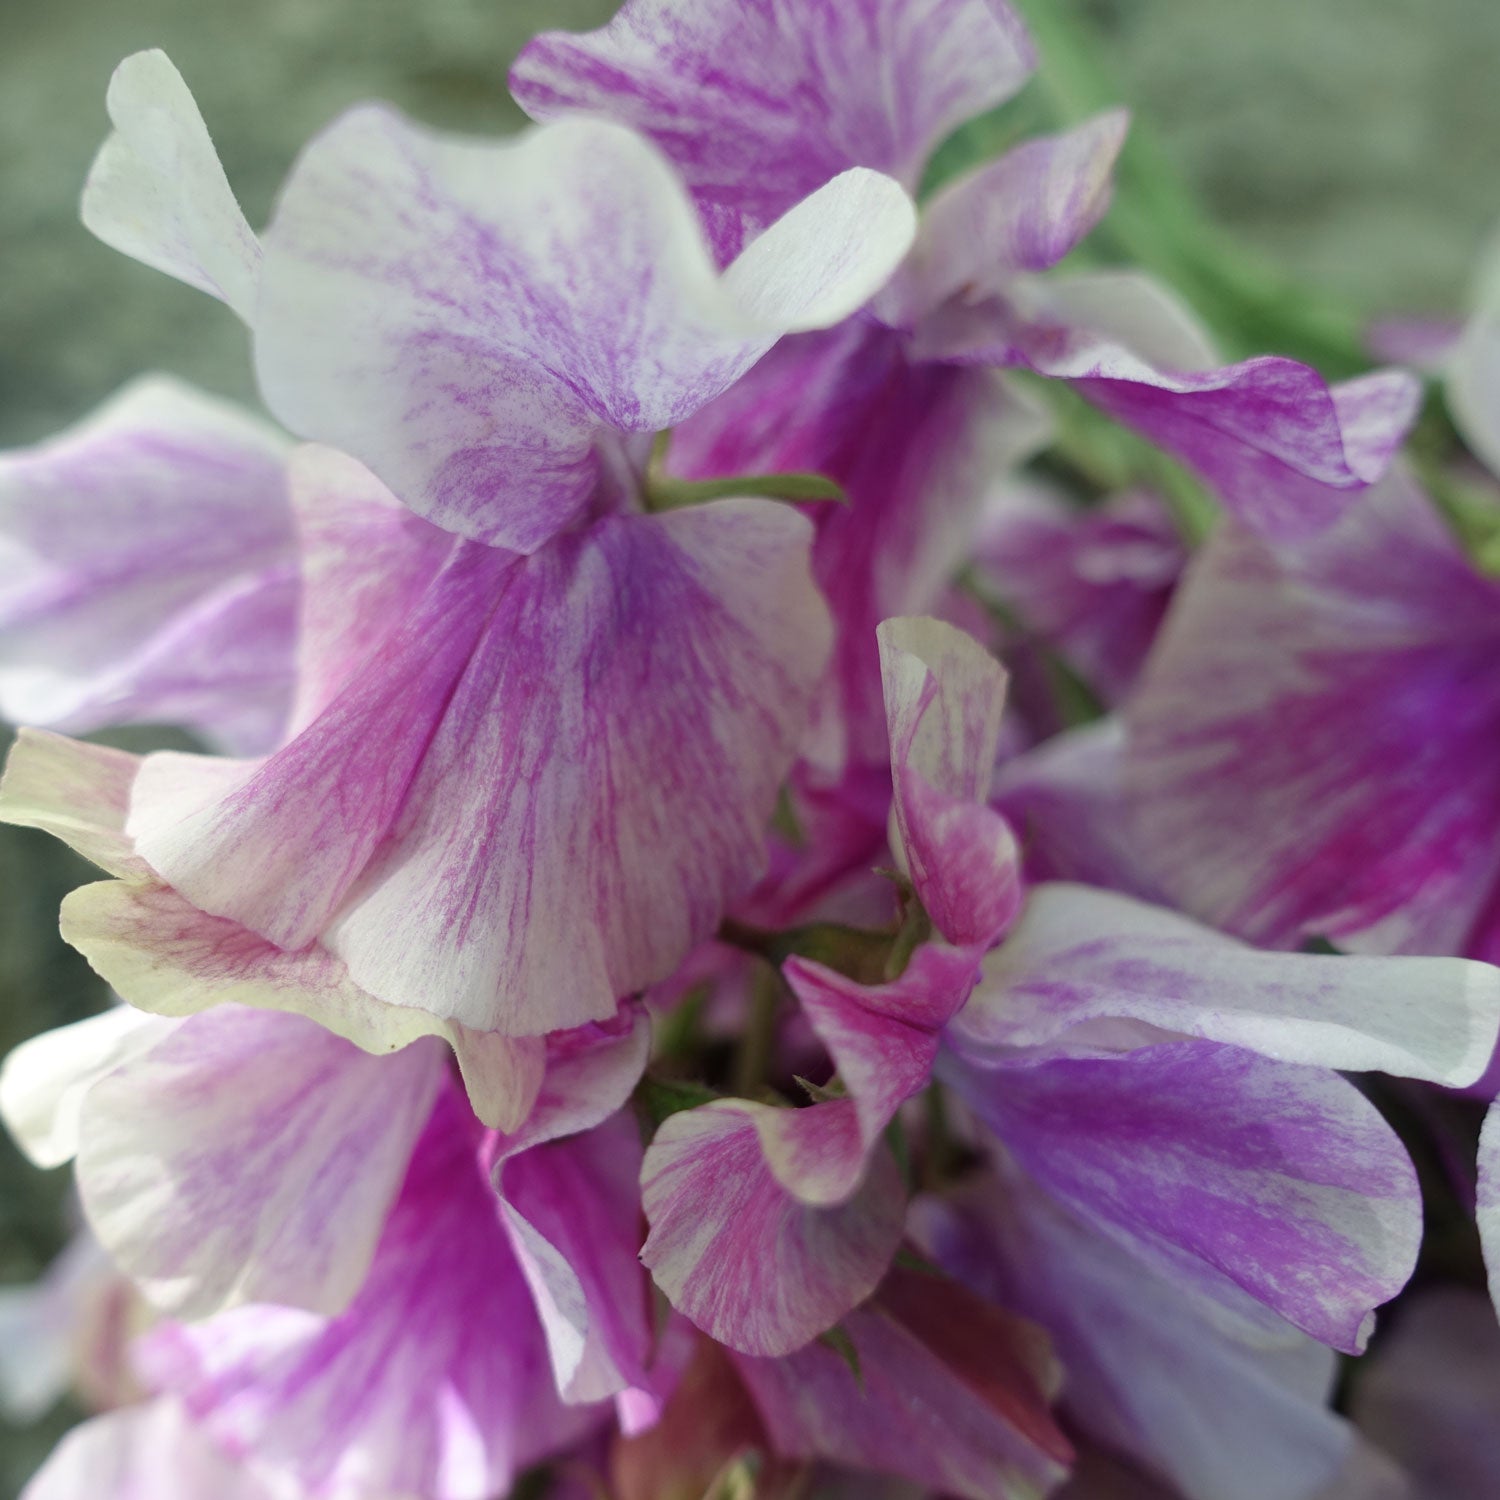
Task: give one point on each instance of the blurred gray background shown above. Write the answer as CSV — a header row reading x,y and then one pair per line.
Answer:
x,y
1354,142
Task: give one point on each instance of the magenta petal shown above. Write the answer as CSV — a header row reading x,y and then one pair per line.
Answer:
x,y
147,570
734,1251
1285,452
1081,961
758,103
1221,1165
479,322
1310,752
944,697
251,1157
147,1452
882,1039
432,1384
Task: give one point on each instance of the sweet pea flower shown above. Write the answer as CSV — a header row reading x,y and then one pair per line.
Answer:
x,y
758,102
530,766
147,571
374,1264
1118,1051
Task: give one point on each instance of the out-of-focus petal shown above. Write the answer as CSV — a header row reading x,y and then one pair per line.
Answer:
x,y
1022,212
545,808
950,1392
148,1452
1081,955
1473,376
146,558
157,193
433,1383
251,1156
1282,1180
1310,750
1430,1394
750,1264
45,1080
760,102
1228,1402
468,318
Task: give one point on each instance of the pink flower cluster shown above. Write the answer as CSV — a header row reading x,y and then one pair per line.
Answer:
x,y
636,1002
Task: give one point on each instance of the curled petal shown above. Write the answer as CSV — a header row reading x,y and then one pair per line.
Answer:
x,y
1081,956
163,955
1022,212
157,192
750,1264
553,291
944,698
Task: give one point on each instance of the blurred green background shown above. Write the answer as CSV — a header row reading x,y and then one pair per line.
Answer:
x,y
1352,143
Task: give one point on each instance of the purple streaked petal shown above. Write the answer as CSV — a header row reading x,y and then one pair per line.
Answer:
x,y
736,1253
1066,800
543,790
157,193
1222,1166
1022,212
1081,955
148,570
1141,1351
1283,450
471,319
251,1157
1090,585
45,1080
573,1212
951,1393
163,955
944,698
147,1452
760,103
1310,752
432,1384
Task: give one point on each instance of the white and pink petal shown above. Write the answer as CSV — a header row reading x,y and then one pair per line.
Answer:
x,y
750,1264
479,323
